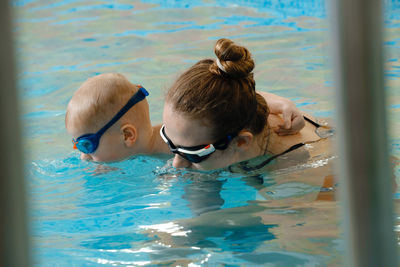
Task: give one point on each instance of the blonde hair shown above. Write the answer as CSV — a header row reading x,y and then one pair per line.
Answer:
x,y
225,98
98,100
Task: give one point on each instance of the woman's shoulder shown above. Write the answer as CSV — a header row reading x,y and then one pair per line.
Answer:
x,y
310,133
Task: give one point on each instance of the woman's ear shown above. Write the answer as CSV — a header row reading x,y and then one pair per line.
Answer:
x,y
244,139
129,133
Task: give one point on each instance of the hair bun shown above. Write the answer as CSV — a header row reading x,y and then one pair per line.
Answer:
x,y
235,59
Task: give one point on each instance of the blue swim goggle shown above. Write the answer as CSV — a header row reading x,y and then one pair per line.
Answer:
x,y
88,143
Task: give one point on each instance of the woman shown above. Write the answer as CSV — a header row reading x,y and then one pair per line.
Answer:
x,y
213,116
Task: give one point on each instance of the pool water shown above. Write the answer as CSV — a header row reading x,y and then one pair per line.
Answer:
x,y
143,212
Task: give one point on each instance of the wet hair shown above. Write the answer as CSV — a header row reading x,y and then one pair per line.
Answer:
x,y
97,100
225,100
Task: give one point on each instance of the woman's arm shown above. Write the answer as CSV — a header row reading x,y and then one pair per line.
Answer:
x,y
292,116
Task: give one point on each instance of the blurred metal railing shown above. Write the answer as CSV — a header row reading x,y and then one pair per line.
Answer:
x,y
364,173
14,241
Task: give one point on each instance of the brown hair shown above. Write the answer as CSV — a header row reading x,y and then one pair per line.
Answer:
x,y
225,99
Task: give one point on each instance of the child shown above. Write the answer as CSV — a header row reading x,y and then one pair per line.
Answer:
x,y
99,99
126,130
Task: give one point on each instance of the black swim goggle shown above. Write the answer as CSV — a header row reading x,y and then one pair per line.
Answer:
x,y
196,154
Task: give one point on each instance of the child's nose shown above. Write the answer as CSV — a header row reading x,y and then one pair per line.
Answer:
x,y
86,156
180,162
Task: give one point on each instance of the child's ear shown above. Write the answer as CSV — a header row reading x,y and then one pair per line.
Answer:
x,y
130,134
244,140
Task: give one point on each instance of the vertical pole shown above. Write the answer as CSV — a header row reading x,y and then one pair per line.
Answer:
x,y
364,173
13,227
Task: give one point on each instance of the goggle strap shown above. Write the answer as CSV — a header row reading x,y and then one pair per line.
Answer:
x,y
137,97
165,139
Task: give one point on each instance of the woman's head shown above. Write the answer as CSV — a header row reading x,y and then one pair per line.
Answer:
x,y
220,98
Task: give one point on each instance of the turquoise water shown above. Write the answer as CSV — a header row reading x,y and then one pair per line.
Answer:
x,y
142,212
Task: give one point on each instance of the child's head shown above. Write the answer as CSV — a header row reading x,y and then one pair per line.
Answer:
x,y
95,103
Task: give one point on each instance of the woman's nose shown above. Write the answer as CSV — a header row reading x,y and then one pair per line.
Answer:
x,y
86,156
180,162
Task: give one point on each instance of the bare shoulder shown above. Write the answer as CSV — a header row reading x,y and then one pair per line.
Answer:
x,y
280,143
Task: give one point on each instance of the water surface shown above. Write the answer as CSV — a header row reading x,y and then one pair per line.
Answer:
x,y
142,212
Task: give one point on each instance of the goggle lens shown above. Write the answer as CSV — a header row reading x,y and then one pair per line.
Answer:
x,y
87,143
193,158
85,146
189,157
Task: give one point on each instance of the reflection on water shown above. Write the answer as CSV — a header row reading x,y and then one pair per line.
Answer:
x,y
280,222
142,211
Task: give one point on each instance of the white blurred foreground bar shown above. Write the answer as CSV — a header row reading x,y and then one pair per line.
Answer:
x,y
364,171
14,244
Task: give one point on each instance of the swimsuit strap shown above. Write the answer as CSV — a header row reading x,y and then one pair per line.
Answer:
x,y
262,164
317,125
244,166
